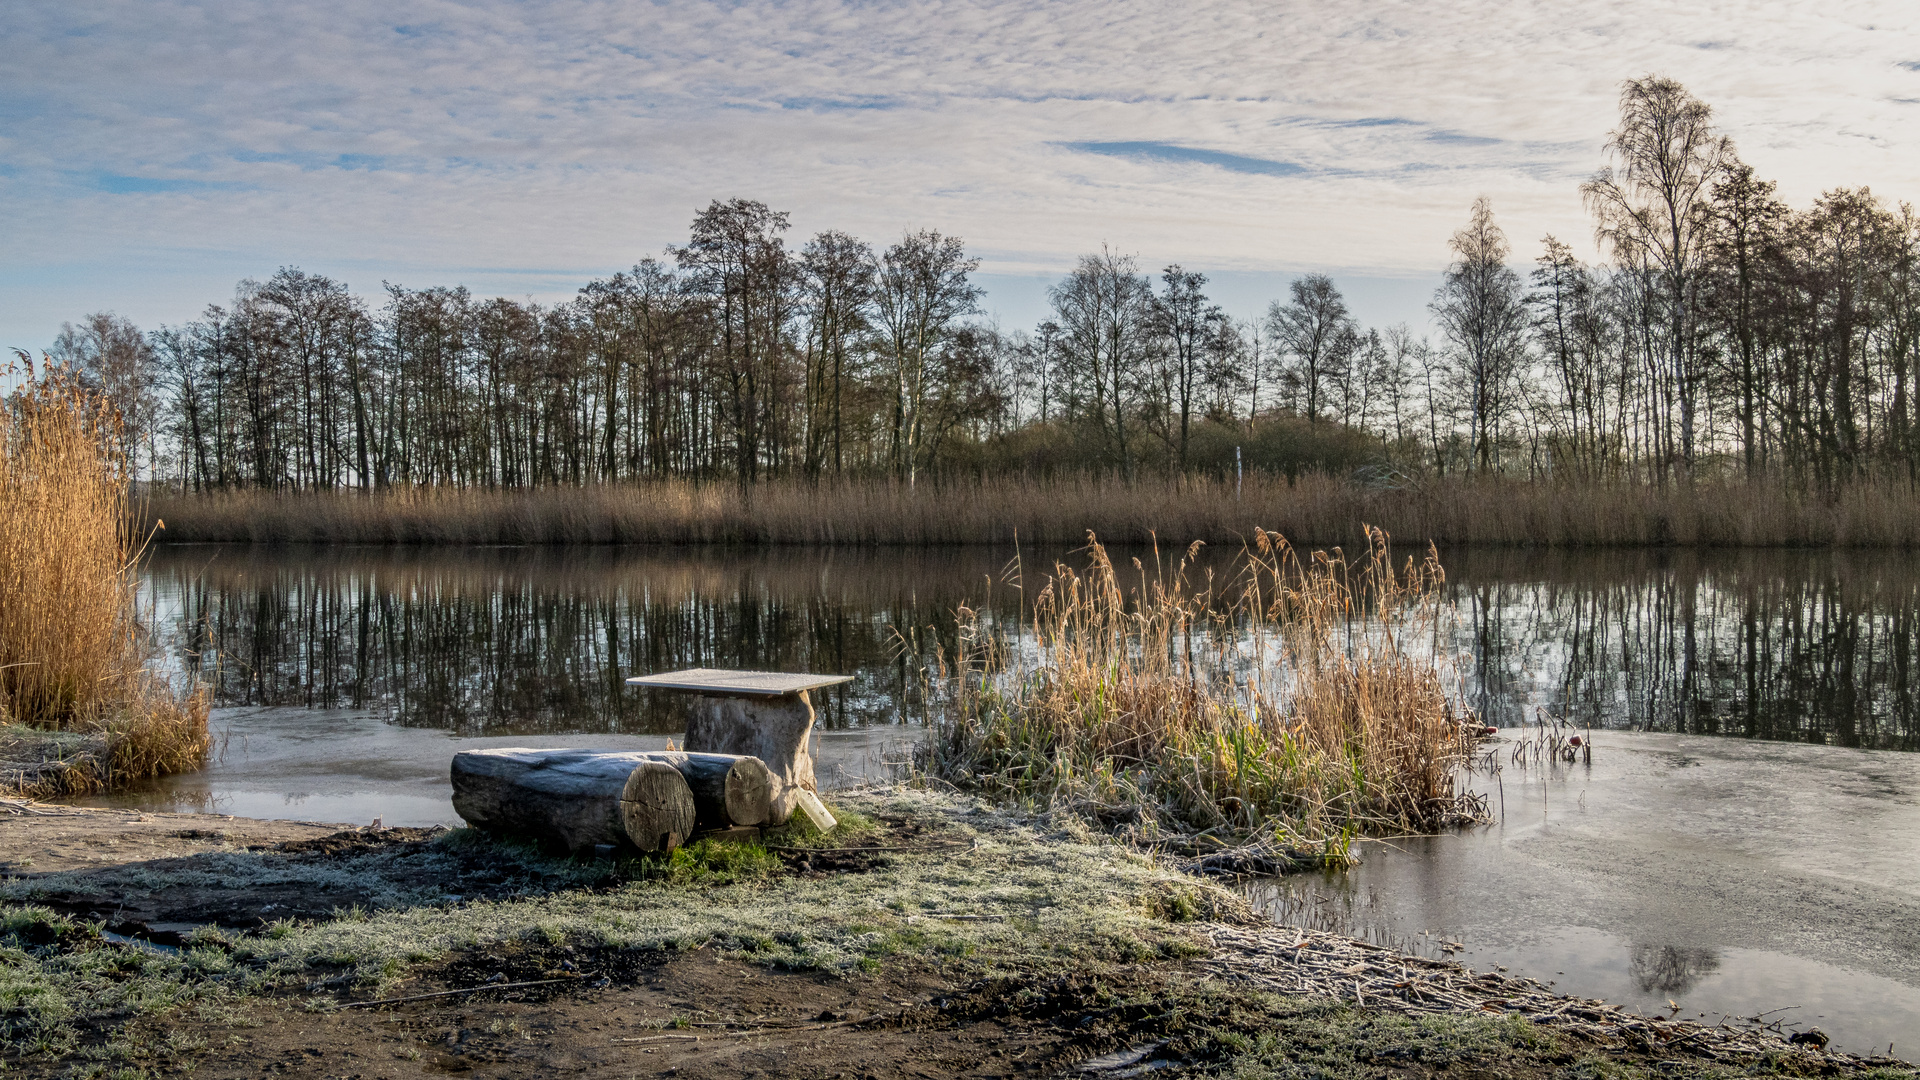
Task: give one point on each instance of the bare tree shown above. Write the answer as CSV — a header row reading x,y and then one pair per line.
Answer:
x,y
840,283
1315,330
109,354
1483,316
1105,313
922,290
1187,325
1572,326
1653,204
1226,374
738,260
1396,377
1749,227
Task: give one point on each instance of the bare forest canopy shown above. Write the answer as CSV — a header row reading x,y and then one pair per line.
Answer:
x,y
1725,332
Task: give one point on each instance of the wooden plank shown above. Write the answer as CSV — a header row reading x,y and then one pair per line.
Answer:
x,y
817,811
738,683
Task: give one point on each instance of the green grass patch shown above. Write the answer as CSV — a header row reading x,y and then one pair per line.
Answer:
x,y
852,828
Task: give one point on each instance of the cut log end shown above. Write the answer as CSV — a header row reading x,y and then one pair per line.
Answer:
x,y
727,789
656,807
750,787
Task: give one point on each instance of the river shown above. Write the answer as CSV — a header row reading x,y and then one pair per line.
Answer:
x,y
1746,839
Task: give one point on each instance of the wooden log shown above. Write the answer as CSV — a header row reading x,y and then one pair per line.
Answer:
x,y
577,798
777,730
657,805
728,789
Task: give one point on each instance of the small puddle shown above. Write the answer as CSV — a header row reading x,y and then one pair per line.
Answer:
x,y
140,943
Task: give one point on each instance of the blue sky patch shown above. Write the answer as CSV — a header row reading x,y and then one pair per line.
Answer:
x,y
1188,155
836,104
1455,138
116,184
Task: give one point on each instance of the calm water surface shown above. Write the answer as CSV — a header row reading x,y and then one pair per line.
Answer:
x,y
1747,838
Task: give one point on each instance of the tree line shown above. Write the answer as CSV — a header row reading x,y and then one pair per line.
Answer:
x,y
1723,332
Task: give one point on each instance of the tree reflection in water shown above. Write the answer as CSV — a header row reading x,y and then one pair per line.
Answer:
x,y
1670,969
531,641
1809,646
1806,646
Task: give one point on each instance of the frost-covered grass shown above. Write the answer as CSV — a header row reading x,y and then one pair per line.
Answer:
x,y
1045,888
1063,907
1053,898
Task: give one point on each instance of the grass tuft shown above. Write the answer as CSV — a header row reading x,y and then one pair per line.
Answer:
x,y
1292,705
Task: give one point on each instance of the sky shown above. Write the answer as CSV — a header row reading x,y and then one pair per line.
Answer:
x,y
154,152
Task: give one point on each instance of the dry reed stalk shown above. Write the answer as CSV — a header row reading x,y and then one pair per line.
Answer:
x,y
71,651
1291,706
1313,509
64,575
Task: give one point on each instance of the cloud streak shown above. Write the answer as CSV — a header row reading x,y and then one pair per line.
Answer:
x,y
1189,155
430,139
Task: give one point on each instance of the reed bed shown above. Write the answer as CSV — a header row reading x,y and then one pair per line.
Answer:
x,y
1059,510
73,658
1280,712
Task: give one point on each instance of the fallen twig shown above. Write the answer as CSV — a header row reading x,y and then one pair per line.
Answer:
x,y
957,917
896,847
764,1029
462,990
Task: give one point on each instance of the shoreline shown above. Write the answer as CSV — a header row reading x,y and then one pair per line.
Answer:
x,y
864,974
1310,510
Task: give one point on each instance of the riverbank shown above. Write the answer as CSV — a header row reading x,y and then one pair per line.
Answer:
x,y
939,937
161,735
1314,509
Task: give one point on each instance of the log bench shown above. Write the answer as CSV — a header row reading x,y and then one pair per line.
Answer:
x,y
746,764
576,799
579,799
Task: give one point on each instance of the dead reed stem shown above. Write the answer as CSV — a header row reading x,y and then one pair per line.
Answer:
x,y
1296,704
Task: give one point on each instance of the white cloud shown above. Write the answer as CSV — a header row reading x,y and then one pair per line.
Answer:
x,y
522,147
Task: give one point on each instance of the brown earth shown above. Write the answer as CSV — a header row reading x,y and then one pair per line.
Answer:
x,y
702,1016
707,1017
44,838
528,1010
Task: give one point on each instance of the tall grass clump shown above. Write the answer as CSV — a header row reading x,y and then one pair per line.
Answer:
x,y
1299,702
72,654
